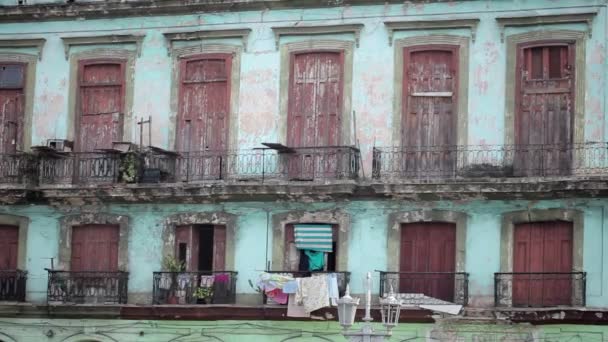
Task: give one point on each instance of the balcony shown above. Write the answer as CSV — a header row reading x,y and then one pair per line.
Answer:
x,y
218,287
63,168
87,287
12,285
343,279
543,289
489,161
17,169
446,286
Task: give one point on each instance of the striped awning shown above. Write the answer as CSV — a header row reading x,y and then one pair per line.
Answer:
x,y
315,237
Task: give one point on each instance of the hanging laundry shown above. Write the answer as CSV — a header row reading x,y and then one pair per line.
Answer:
x,y
316,237
332,288
303,265
290,287
294,309
314,292
316,260
278,296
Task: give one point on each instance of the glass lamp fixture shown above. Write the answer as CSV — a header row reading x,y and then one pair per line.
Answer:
x,y
347,308
390,308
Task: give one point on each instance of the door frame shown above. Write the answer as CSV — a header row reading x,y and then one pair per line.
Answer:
x,y
461,108
82,63
292,57
407,51
518,84
181,63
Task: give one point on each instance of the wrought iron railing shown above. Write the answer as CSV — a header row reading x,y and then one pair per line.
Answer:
x,y
447,286
342,277
87,287
202,287
445,162
295,164
17,168
80,168
541,289
12,285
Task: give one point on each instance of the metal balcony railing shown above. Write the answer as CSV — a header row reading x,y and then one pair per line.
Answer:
x,y
447,286
297,164
541,289
12,285
462,162
17,168
80,168
88,287
202,287
343,278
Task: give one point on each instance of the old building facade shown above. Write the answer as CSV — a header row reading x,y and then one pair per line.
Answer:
x,y
454,148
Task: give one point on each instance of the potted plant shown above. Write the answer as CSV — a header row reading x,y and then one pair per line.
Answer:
x,y
204,294
174,266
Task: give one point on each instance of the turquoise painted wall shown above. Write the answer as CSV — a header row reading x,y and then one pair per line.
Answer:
x,y
33,330
366,248
258,113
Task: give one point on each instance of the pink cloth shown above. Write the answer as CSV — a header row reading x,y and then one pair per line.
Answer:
x,y
278,296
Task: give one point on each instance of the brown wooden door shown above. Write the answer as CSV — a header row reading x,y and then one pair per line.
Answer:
x,y
315,107
95,248
542,247
545,103
219,248
204,107
9,247
12,96
430,92
428,247
101,104
187,246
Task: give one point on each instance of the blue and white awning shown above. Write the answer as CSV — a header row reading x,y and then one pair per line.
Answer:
x,y
315,237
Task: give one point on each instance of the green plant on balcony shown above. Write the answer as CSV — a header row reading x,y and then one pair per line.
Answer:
x,y
174,266
129,165
204,294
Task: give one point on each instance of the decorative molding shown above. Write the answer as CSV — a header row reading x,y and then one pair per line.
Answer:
x,y
37,43
468,23
68,42
566,18
316,30
172,37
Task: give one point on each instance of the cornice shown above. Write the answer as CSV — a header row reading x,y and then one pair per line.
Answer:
x,y
468,23
316,30
68,42
37,43
566,18
172,37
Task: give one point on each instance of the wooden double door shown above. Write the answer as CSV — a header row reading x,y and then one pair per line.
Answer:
x,y
542,264
427,259
95,248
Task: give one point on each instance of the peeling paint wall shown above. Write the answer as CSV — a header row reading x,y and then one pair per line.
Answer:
x,y
372,93
369,220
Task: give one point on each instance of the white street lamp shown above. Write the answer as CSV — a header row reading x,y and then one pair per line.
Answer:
x,y
347,307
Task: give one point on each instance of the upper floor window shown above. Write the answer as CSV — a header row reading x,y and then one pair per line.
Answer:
x,y
201,247
311,247
429,118
101,85
12,96
544,108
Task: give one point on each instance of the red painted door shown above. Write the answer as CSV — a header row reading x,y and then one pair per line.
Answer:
x,y
204,108
430,91
9,244
315,106
545,103
95,248
428,247
101,104
219,248
542,247
12,96
187,246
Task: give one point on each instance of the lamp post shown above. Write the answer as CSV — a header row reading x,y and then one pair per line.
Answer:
x,y
347,307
